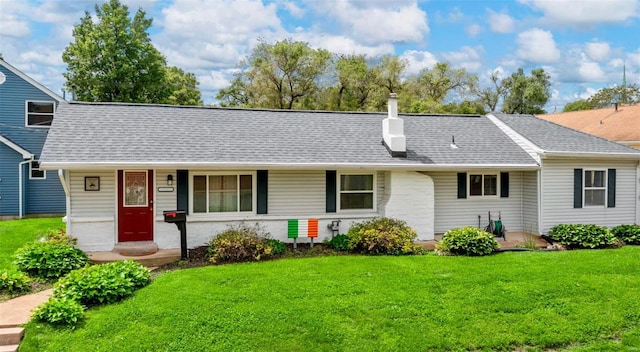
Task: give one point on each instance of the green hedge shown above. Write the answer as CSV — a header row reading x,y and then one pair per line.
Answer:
x,y
467,241
383,236
629,234
574,236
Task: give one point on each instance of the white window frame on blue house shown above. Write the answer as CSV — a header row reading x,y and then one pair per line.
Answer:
x,y
27,113
33,169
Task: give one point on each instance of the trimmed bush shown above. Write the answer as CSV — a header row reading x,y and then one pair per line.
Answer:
x,y
60,311
240,243
339,243
49,260
574,236
14,282
277,247
629,234
467,241
383,236
59,236
104,283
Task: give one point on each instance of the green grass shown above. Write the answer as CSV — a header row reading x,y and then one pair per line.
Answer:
x,y
529,301
15,233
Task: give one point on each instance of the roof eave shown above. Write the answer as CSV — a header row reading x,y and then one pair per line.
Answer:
x,y
590,155
283,166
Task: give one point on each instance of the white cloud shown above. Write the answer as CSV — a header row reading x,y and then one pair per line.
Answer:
x,y
293,9
13,19
584,13
468,58
374,22
537,46
598,51
500,22
586,94
344,45
590,71
214,80
418,60
473,30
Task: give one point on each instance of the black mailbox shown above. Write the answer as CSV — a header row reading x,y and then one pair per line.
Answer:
x,y
175,216
179,217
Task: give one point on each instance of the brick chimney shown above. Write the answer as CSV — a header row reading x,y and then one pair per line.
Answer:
x,y
393,130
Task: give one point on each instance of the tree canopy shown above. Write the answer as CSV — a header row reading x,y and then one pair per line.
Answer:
x,y
526,94
113,60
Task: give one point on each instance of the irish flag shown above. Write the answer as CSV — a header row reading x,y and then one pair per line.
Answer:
x,y
302,228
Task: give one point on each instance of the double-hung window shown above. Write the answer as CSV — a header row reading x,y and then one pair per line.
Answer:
x,y
357,191
595,187
483,184
35,173
39,113
223,193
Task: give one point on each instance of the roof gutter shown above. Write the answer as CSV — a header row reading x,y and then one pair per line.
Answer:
x,y
594,155
283,166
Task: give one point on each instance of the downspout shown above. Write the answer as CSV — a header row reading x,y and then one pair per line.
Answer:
x,y
21,188
67,195
540,214
638,193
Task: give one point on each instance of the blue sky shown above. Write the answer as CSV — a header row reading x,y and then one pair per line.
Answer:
x,y
582,44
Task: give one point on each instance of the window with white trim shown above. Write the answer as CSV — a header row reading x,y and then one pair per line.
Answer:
x,y
595,187
34,171
357,191
39,113
223,193
483,184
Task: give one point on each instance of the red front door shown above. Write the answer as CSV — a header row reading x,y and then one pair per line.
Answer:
x,y
135,205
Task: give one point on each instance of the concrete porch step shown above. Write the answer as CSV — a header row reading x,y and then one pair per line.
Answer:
x,y
134,249
11,336
161,257
9,348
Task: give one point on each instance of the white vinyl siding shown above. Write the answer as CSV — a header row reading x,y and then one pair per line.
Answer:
x,y
165,200
530,201
296,193
93,204
557,177
451,212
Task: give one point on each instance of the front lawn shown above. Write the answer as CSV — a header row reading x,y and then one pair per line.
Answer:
x,y
532,301
15,233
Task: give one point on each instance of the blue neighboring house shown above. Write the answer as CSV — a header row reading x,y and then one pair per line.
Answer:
x,y
27,109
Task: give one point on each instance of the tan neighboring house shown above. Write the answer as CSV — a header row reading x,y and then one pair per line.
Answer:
x,y
621,124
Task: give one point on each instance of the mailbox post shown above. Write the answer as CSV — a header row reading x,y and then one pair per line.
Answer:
x,y
179,217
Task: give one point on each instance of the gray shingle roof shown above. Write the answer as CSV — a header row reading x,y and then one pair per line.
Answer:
x,y
552,137
90,133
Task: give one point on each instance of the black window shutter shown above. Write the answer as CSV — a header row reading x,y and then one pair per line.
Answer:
x,y
182,185
504,185
577,188
331,191
611,188
262,185
462,185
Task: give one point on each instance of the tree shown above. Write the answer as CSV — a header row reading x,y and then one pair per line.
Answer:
x,y
113,60
183,87
577,105
490,97
355,82
526,95
606,97
281,74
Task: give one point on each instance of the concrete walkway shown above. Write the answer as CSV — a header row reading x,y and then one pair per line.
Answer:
x,y
17,311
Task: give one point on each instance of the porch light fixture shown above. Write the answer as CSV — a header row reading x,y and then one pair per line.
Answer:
x,y
169,180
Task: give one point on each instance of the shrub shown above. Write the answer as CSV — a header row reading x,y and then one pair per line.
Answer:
x,y
49,260
629,234
582,236
339,243
13,281
60,310
383,236
277,247
467,241
104,283
59,236
240,243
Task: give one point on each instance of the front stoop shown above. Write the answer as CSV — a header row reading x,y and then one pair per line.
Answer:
x,y
159,258
135,249
10,338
